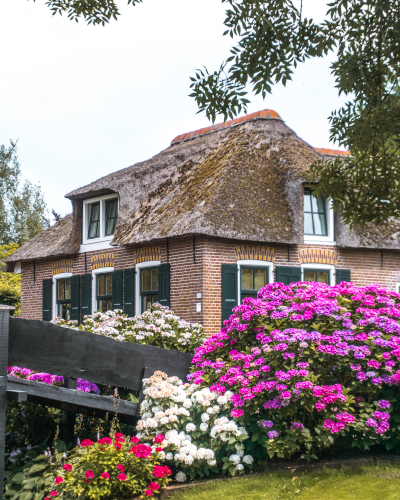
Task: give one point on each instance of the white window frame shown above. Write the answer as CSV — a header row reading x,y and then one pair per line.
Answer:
x,y
323,240
255,263
320,267
141,265
102,241
56,277
397,287
95,272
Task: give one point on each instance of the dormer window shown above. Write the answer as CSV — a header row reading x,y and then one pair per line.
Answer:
x,y
318,218
99,219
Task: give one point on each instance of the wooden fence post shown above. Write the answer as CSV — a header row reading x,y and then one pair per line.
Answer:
x,y
4,325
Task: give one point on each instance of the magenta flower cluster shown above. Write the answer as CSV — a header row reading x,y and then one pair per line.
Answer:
x,y
18,372
330,349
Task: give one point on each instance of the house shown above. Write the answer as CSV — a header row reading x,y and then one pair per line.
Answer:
x,y
211,219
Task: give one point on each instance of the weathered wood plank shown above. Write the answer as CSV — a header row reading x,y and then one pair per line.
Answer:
x,y
17,395
45,347
70,399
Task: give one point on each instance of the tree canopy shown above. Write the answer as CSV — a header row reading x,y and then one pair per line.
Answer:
x,y
271,38
22,206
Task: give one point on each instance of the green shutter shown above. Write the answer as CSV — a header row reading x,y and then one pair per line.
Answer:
x,y
129,292
117,289
229,289
287,275
75,296
342,275
47,302
163,284
86,295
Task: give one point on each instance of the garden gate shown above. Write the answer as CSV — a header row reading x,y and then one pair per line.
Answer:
x,y
45,347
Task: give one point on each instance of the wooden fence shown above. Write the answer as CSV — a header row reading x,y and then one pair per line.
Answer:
x,y
44,347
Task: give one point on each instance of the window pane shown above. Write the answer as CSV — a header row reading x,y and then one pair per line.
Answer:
x,y
246,274
308,225
155,299
319,224
109,284
64,311
145,280
109,305
146,303
307,202
110,226
111,216
323,277
101,284
60,290
94,230
102,305
321,205
94,212
314,202
154,279
260,278
67,289
309,276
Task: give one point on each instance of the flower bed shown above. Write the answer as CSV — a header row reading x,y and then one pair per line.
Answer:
x,y
299,369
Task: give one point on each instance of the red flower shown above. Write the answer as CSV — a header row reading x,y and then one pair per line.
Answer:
x,y
134,439
141,450
86,442
86,480
118,446
89,474
122,476
153,486
105,440
105,475
121,467
161,471
148,493
119,438
159,438
58,480
53,493
67,467
159,449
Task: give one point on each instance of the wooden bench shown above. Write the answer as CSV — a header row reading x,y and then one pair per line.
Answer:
x,y
45,347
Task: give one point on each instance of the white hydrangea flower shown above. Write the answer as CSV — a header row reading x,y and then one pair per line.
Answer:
x,y
169,456
216,408
210,410
222,400
189,460
187,403
205,417
180,477
186,442
173,418
203,427
164,420
184,411
248,459
212,463
229,395
234,458
239,467
190,427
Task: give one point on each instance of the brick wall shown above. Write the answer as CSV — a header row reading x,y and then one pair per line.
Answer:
x,y
199,272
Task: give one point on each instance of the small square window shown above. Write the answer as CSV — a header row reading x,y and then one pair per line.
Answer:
x,y
319,275
104,292
64,299
148,287
252,279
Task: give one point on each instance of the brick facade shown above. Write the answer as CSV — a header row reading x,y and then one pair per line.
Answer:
x,y
196,269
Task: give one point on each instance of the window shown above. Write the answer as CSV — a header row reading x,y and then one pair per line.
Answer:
x,y
94,221
64,299
252,279
320,275
104,292
99,220
315,222
148,287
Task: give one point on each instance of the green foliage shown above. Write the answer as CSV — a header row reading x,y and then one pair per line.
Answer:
x,y
22,206
32,474
10,283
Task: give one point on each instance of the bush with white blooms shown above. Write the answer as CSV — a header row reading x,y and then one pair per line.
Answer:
x,y
159,327
200,439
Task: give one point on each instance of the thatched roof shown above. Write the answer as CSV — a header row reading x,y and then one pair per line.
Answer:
x,y
239,180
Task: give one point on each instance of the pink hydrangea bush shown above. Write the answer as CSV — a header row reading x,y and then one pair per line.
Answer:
x,y
309,366
113,467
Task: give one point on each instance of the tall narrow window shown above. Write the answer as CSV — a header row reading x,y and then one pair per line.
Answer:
x,y
94,221
317,275
314,214
252,279
111,216
64,299
148,287
104,292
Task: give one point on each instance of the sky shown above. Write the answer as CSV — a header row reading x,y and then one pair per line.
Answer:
x,y
84,101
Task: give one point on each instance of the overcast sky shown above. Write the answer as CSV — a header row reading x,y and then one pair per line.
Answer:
x,y
84,101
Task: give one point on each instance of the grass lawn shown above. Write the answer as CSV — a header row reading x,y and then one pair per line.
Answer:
x,y
381,482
